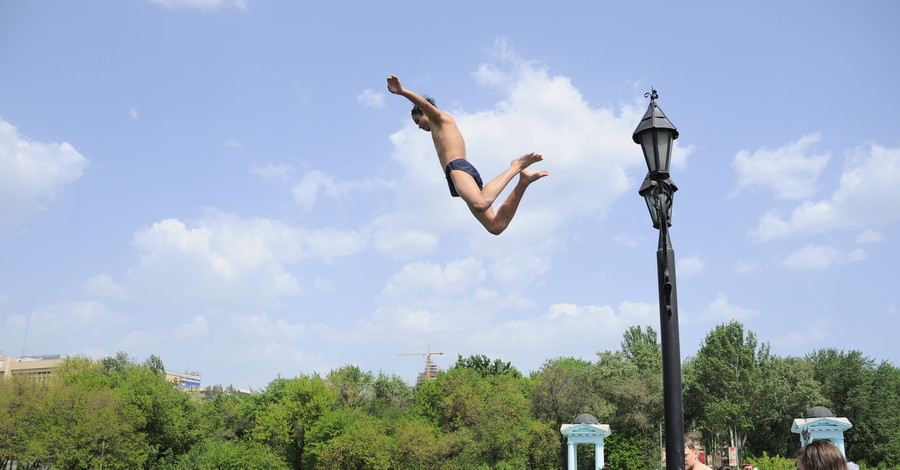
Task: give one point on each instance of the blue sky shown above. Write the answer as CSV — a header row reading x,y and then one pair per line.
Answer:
x,y
228,184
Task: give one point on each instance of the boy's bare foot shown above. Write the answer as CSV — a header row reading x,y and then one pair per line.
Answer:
x,y
528,176
526,160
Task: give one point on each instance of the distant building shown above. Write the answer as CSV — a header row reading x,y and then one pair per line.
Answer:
x,y
42,366
184,380
33,366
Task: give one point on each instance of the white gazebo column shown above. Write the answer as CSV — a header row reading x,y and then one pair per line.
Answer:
x,y
840,444
573,456
586,430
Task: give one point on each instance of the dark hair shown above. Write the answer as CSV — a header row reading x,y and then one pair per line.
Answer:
x,y
821,454
418,110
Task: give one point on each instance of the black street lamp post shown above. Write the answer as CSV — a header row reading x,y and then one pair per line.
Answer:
x,y
655,134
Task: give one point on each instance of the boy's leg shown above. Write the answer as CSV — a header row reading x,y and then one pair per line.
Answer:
x,y
508,209
480,200
496,223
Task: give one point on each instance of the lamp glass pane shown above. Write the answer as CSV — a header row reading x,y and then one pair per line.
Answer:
x,y
664,141
651,206
649,149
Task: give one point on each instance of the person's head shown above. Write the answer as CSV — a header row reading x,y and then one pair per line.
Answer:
x,y
747,466
419,117
820,455
691,453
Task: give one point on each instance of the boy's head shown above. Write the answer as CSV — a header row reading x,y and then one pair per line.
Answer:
x,y
420,118
691,453
418,111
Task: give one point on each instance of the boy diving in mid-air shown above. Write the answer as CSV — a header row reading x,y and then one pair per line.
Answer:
x,y
462,177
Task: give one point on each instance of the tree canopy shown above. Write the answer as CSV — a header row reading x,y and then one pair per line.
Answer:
x,y
482,413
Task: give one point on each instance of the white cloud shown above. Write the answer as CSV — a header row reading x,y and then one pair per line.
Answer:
x,y
273,171
323,285
307,190
626,239
133,113
405,244
866,197
196,329
814,336
60,328
459,303
103,286
818,258
32,173
856,255
690,265
202,4
225,262
870,236
371,98
790,171
745,267
721,309
259,344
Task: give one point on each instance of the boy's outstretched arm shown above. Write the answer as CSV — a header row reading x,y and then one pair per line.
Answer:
x,y
394,86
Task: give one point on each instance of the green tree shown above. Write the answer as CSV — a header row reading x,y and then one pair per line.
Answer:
x,y
155,364
486,420
624,453
786,388
415,443
564,388
861,390
767,462
352,385
360,442
721,382
634,377
485,367
217,454
87,428
22,409
391,396
284,413
168,415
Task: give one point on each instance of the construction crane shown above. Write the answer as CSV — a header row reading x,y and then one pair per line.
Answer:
x,y
430,369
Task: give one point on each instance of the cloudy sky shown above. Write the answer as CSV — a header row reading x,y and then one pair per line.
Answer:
x,y
228,185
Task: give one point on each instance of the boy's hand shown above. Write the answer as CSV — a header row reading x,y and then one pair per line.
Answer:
x,y
394,86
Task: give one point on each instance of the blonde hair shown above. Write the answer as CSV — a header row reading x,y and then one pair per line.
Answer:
x,y
689,443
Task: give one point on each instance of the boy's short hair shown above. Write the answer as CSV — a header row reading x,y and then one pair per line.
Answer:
x,y
417,110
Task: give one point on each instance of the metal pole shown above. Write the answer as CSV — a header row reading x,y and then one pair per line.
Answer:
x,y
671,349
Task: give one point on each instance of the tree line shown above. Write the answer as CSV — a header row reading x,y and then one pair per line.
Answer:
x,y
481,413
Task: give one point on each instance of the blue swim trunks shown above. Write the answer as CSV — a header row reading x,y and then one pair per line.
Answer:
x,y
464,165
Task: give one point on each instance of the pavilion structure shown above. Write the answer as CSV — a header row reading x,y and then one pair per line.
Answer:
x,y
820,423
585,430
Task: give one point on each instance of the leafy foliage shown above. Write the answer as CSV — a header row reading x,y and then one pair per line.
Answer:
x,y
482,413
215,454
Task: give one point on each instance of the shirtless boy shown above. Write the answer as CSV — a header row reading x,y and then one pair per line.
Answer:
x,y
462,177
692,456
